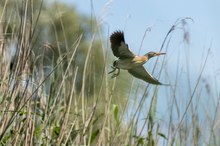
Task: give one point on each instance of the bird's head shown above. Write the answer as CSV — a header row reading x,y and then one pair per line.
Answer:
x,y
153,54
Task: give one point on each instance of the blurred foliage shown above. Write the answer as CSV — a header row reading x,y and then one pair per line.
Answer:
x,y
55,32
61,26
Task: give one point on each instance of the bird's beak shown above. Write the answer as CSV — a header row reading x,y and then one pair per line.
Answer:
x,y
158,54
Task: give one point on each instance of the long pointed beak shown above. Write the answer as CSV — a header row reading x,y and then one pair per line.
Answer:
x,y
160,54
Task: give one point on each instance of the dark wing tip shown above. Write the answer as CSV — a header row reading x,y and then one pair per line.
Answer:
x,y
165,84
116,39
157,82
117,36
141,73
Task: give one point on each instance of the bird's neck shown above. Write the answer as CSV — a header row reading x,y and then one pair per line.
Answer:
x,y
146,57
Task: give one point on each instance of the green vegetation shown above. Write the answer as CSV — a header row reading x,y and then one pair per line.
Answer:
x,y
57,91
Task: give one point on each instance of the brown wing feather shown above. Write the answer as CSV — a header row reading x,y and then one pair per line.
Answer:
x,y
119,47
141,73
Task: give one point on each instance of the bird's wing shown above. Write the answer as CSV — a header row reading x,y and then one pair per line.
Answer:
x,y
119,47
141,73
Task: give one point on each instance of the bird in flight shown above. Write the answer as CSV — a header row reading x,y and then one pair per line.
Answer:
x,y
130,62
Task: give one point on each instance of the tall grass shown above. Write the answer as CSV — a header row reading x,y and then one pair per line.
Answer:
x,y
40,104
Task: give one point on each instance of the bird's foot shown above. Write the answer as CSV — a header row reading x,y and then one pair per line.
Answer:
x,y
115,74
114,68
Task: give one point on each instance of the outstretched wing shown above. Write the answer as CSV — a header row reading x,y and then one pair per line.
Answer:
x,y
119,47
141,73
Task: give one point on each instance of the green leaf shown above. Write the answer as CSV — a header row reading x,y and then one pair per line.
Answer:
x,y
140,140
116,114
56,130
162,135
97,119
38,130
94,135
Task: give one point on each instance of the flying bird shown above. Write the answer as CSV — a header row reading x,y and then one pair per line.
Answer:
x,y
129,61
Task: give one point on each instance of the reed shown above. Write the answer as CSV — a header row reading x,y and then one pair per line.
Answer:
x,y
48,98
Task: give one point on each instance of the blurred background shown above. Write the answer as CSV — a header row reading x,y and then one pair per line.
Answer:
x,y
186,52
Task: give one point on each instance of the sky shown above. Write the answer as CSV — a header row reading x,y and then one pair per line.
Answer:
x,y
134,17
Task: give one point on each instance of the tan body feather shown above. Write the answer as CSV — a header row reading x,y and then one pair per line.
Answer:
x,y
131,62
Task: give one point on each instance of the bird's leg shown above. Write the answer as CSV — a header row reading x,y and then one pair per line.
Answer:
x,y
115,75
114,68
